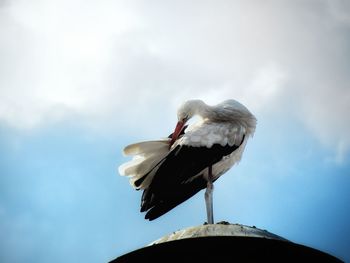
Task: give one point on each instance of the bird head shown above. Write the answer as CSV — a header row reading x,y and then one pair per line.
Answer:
x,y
179,128
186,111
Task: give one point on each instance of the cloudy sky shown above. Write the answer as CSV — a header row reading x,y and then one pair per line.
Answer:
x,y
81,79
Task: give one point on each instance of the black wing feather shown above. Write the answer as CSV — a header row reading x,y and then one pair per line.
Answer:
x,y
139,181
171,185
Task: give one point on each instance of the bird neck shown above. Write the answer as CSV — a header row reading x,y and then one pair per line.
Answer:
x,y
203,110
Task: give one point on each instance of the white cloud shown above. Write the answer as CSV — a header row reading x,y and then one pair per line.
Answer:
x,y
324,110
110,63
266,86
340,9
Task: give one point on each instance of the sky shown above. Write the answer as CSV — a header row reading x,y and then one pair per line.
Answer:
x,y
79,80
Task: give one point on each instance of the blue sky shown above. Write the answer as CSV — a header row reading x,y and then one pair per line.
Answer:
x,y
79,80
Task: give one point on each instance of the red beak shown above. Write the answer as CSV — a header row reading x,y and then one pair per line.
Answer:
x,y
177,131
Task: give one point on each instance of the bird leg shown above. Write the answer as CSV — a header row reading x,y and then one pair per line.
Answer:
x,y
209,196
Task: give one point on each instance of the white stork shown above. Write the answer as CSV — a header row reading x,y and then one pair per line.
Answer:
x,y
171,170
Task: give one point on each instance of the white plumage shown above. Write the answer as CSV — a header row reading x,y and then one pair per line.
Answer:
x,y
194,158
146,155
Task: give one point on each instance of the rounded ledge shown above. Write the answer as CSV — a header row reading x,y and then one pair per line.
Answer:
x,y
218,229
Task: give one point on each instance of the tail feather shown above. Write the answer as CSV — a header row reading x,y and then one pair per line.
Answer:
x,y
147,156
142,148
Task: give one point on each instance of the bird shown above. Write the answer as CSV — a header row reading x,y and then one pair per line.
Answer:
x,y
173,169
